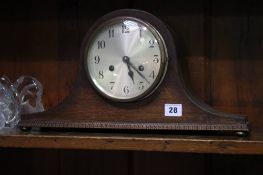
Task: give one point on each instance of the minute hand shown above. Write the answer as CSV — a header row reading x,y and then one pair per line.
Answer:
x,y
128,62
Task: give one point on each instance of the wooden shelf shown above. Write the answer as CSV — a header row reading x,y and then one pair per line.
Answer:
x,y
220,43
15,138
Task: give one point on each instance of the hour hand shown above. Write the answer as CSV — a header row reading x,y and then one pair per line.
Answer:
x,y
130,73
125,59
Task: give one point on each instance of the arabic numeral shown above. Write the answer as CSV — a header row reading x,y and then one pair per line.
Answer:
x,y
126,90
101,76
151,43
96,59
173,110
111,33
111,85
141,86
125,29
152,75
101,44
156,59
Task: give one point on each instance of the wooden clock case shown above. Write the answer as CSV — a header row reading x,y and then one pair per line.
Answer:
x,y
85,108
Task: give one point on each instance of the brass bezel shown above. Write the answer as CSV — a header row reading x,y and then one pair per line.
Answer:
x,y
163,58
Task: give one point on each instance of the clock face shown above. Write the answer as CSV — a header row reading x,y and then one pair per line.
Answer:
x,y
125,59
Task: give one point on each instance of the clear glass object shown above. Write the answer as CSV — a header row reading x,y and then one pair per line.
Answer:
x,y
30,92
22,97
9,104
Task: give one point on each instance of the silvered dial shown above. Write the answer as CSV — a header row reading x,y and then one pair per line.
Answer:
x,y
125,59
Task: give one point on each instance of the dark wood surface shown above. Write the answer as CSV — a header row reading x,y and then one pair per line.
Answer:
x,y
84,108
175,142
220,44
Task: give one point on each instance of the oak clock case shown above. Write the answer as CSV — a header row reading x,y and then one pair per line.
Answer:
x,y
125,58
96,103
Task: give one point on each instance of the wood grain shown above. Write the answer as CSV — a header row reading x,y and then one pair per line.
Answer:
x,y
221,43
84,108
173,142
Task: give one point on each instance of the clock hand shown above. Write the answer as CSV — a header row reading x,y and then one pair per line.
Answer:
x,y
130,73
125,59
138,72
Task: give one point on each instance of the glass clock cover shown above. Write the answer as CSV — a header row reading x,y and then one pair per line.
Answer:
x,y
125,59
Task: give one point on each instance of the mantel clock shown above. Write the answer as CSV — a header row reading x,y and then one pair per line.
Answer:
x,y
130,79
